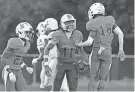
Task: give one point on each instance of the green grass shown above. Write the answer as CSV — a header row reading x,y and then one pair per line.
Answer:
x,y
121,85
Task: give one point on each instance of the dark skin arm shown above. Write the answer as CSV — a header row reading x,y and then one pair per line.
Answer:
x,y
47,50
82,54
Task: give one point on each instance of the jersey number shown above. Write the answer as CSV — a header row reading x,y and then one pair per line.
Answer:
x,y
106,30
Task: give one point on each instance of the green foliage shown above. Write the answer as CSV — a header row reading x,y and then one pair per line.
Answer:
x,y
13,12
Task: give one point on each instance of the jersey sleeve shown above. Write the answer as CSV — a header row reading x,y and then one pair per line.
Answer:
x,y
53,38
114,25
41,42
90,26
80,36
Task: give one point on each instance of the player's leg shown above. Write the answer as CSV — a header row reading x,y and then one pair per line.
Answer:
x,y
42,77
72,77
104,69
9,86
64,86
94,70
59,76
20,81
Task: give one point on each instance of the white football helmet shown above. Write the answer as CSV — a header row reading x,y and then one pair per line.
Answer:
x,y
68,22
41,28
51,24
96,8
24,30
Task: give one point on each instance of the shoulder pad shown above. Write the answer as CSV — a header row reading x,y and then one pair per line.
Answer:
x,y
111,18
90,25
79,35
14,43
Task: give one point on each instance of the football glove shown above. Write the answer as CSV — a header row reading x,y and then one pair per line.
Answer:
x,y
121,55
101,49
30,70
81,65
12,77
34,61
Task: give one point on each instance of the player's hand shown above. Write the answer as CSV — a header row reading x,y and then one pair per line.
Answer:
x,y
48,70
12,77
30,70
34,61
101,49
121,55
78,44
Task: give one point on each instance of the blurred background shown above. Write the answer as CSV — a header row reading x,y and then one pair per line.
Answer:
x,y
13,12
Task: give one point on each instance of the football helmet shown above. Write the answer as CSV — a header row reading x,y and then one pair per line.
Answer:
x,y
68,22
41,28
25,30
51,24
96,8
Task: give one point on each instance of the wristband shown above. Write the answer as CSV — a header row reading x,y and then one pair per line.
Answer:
x,y
22,65
45,63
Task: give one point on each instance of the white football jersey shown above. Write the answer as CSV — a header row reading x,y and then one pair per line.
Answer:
x,y
41,41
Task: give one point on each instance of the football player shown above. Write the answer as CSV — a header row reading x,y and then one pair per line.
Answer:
x,y
102,29
44,28
12,58
64,39
41,43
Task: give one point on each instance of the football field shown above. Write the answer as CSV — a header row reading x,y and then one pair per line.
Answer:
x,y
122,85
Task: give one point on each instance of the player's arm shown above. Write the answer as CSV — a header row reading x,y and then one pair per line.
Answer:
x,y
88,42
81,52
9,50
49,46
89,27
47,49
120,34
53,41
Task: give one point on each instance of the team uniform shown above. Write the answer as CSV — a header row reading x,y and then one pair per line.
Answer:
x,y
66,58
48,81
64,40
103,26
102,29
14,60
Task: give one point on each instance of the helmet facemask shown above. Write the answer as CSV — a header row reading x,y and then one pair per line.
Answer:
x,y
70,25
27,34
68,22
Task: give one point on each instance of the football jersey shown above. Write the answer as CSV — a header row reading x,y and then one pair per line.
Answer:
x,y
19,49
103,26
41,44
66,47
41,41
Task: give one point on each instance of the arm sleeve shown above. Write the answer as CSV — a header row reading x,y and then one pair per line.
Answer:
x,y
81,52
